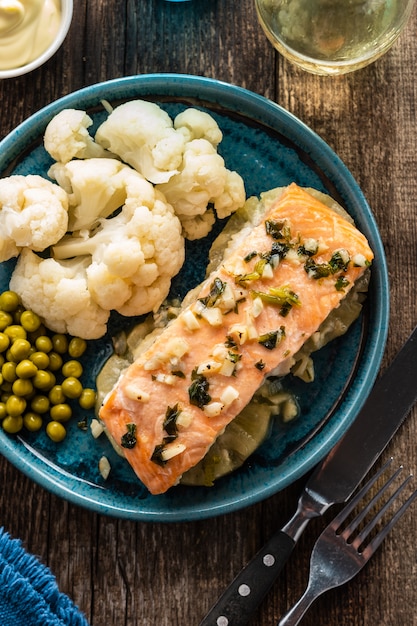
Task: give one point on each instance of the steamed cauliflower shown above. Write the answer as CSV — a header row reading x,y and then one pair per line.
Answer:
x,y
143,135
58,292
180,157
96,188
203,180
133,255
33,214
66,137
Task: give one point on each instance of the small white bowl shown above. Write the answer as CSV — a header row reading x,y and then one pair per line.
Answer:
x,y
66,18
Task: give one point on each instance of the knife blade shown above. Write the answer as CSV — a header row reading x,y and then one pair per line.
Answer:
x,y
333,481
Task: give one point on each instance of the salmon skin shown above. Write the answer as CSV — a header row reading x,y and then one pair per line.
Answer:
x,y
251,315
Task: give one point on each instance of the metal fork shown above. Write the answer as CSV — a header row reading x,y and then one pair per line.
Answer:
x,y
339,553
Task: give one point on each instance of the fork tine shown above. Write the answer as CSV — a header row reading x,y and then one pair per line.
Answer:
x,y
379,538
377,517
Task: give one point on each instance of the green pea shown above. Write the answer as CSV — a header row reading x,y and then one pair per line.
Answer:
x,y
32,421
61,412
9,301
77,347
56,431
8,371
40,404
40,359
55,361
56,395
15,405
43,343
12,425
30,321
22,387
60,343
72,368
26,369
87,398
3,410
44,380
15,331
4,342
5,320
20,349
71,387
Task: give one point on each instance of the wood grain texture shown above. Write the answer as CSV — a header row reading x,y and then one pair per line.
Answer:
x,y
123,573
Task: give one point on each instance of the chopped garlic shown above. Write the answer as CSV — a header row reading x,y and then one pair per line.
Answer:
x,y
104,467
96,428
227,300
229,395
190,320
227,368
311,245
177,347
240,331
209,367
213,408
167,379
257,307
173,450
220,352
134,393
213,316
184,419
268,272
359,260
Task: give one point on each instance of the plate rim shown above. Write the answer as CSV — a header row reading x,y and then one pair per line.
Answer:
x,y
239,99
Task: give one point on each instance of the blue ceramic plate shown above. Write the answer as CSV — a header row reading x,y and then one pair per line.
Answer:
x,y
269,148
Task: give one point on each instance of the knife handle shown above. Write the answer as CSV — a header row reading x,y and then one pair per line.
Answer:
x,y
237,605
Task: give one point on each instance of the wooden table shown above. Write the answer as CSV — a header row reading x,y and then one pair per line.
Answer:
x,y
153,574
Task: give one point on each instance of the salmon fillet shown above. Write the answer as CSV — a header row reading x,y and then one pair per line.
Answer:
x,y
251,315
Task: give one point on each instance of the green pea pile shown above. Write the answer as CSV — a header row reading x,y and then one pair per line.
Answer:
x,y
39,372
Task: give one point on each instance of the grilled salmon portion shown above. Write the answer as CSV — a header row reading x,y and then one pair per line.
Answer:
x,y
249,317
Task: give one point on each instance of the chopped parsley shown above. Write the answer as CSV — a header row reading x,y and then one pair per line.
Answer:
x,y
338,263
271,340
283,297
128,440
198,390
170,422
341,283
217,288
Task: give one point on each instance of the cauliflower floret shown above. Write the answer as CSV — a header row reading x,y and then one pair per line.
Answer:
x,y
133,255
203,180
33,214
198,125
66,137
199,226
96,188
58,292
143,135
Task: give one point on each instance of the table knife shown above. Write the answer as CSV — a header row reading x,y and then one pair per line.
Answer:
x,y
333,481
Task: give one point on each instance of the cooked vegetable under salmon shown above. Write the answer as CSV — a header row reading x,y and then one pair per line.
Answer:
x,y
251,315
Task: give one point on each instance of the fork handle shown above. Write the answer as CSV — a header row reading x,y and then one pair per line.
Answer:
x,y
241,599
294,615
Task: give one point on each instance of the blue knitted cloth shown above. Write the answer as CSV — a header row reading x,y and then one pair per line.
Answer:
x,y
29,595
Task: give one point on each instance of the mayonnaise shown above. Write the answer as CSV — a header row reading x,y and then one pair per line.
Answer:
x,y
27,28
